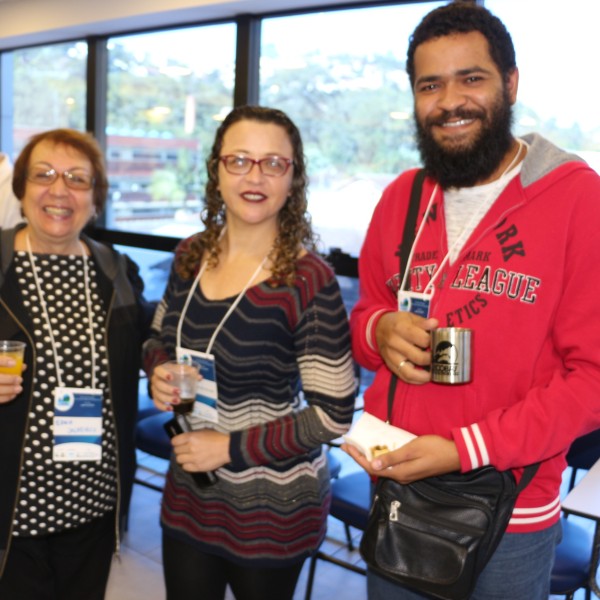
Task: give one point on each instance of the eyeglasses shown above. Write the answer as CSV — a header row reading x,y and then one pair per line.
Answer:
x,y
271,166
75,179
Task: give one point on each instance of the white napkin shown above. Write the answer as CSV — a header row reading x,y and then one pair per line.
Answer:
x,y
372,436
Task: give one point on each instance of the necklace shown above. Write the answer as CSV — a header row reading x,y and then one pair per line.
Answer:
x,y
515,159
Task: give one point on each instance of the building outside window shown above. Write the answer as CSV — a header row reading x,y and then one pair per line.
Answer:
x,y
167,93
48,90
340,75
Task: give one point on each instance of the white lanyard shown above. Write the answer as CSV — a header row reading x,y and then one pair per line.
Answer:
x,y
229,311
457,241
88,302
429,287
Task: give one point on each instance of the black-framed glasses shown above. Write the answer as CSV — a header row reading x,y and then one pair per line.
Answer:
x,y
271,166
75,179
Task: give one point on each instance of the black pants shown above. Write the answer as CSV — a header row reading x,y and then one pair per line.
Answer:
x,y
194,575
71,565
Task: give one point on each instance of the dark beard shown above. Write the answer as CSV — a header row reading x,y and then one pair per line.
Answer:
x,y
465,167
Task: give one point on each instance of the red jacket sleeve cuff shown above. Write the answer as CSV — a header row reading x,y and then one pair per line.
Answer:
x,y
471,447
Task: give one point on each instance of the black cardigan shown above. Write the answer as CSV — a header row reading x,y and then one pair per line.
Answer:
x,y
127,322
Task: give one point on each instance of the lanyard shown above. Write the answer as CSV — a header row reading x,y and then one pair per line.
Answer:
x,y
229,311
416,240
459,240
88,302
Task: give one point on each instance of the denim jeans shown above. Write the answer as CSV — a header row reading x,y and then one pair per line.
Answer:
x,y
519,570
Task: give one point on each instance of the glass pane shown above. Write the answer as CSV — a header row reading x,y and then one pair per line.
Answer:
x,y
49,87
167,92
341,77
154,269
558,87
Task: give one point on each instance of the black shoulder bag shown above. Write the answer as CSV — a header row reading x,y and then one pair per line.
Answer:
x,y
436,535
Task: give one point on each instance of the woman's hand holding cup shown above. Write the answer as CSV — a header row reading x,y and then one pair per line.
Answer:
x,y
11,367
173,386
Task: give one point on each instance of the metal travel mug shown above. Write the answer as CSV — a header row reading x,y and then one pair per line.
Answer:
x,y
451,355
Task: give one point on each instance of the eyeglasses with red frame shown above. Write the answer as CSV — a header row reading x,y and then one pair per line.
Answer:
x,y
271,166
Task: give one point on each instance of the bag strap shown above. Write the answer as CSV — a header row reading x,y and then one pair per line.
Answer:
x,y
390,399
408,237
528,472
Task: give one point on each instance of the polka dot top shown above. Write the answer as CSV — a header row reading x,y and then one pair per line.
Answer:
x,y
54,496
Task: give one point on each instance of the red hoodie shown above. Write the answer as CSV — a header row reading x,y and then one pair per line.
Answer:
x,y
526,283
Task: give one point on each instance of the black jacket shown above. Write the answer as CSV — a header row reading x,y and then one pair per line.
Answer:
x,y
121,290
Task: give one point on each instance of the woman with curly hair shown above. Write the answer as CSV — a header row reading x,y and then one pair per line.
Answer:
x,y
250,301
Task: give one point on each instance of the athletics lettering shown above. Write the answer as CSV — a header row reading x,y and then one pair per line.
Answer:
x,y
468,311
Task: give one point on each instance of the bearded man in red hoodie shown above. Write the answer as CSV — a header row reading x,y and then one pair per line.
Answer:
x,y
505,245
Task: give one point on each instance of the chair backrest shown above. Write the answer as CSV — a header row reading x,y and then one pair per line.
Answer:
x,y
351,499
584,451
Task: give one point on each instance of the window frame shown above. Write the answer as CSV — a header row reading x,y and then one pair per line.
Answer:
x,y
246,91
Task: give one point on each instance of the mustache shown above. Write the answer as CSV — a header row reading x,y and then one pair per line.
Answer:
x,y
459,113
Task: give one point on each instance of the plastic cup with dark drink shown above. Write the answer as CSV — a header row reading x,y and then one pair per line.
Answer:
x,y
185,377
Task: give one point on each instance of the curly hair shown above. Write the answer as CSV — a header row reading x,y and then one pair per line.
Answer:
x,y
84,143
464,17
295,230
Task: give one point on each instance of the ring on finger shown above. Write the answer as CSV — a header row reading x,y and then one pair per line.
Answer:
x,y
402,363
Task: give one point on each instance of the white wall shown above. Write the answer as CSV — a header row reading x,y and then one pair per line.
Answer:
x,y
25,22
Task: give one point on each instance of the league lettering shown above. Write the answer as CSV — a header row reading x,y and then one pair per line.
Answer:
x,y
498,282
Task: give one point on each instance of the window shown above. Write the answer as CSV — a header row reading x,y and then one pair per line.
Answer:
x,y
338,73
341,77
558,87
167,92
49,87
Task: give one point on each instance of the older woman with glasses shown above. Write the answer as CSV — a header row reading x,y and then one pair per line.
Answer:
x,y
251,302
66,423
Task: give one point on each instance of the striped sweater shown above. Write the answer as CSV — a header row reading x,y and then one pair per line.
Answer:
x,y
270,505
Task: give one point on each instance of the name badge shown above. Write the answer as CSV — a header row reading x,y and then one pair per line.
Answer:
x,y
414,302
205,405
77,424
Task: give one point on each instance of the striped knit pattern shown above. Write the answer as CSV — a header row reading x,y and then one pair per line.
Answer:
x,y
271,502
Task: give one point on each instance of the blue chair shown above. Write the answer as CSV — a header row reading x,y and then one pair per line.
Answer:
x,y
577,556
151,438
145,405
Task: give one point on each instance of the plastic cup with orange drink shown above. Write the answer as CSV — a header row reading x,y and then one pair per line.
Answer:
x,y
14,350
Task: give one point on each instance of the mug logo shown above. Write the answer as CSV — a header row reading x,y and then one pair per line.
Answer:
x,y
446,353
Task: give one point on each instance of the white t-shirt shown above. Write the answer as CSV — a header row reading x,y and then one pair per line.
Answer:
x,y
465,207
10,207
